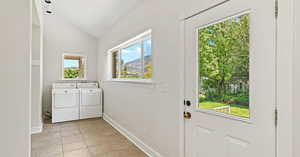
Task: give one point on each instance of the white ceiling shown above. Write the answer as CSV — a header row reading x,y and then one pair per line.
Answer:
x,y
93,16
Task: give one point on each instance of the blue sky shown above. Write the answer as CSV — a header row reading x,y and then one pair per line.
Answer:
x,y
68,63
134,52
147,48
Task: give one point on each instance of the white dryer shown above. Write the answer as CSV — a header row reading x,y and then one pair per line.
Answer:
x,y
65,102
90,100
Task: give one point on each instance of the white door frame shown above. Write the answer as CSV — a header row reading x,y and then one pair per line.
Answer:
x,y
285,48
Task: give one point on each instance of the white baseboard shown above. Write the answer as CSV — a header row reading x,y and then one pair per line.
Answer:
x,y
139,143
37,129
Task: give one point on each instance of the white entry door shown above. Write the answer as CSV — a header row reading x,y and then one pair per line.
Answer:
x,y
230,76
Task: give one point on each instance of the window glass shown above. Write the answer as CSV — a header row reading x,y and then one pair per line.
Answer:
x,y
74,67
131,61
224,66
115,64
148,65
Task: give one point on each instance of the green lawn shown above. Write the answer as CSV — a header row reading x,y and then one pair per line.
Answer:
x,y
237,110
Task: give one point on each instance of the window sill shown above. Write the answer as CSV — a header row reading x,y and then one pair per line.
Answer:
x,y
133,81
83,79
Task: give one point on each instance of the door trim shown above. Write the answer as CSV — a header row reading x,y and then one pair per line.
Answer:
x,y
285,50
204,10
181,86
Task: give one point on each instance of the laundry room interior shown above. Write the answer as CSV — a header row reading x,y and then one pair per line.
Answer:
x,y
63,57
71,82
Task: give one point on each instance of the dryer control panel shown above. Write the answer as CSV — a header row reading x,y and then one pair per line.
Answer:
x,y
87,85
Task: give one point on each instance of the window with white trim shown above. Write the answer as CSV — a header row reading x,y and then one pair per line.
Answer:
x,y
74,67
132,60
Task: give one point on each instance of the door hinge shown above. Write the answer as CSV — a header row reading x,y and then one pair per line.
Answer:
x,y
276,117
276,9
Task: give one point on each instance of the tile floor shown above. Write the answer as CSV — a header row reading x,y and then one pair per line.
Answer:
x,y
86,138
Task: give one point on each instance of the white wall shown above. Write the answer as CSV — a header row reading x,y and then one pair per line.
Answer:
x,y
36,81
149,112
61,37
15,17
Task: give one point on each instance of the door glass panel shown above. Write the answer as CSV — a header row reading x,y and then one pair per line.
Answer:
x,y
224,66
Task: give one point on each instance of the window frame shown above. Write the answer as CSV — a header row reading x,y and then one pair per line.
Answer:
x,y
63,67
118,49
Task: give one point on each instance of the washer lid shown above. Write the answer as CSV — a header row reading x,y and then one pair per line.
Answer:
x,y
64,85
87,85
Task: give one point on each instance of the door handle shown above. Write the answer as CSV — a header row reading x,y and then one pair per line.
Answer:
x,y
187,115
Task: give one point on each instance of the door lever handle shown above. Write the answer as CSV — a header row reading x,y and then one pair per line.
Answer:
x,y
187,115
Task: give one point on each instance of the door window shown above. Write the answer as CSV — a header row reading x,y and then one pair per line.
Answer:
x,y
223,64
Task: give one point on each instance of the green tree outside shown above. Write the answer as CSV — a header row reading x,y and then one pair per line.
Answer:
x,y
224,64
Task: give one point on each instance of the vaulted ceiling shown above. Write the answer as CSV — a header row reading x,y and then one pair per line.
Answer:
x,y
93,16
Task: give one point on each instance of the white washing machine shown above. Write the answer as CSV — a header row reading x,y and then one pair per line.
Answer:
x,y
90,100
65,102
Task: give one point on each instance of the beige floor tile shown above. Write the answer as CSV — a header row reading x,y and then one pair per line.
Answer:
x,y
85,138
121,145
100,149
123,153
115,154
45,143
97,121
69,127
69,132
94,125
73,146
95,134
98,140
47,155
78,153
86,130
48,150
111,146
54,129
45,136
108,131
94,142
137,152
72,139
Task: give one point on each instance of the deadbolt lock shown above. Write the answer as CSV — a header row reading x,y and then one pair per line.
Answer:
x,y
187,115
188,103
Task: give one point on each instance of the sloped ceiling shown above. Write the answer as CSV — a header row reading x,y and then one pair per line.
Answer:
x,y
93,16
